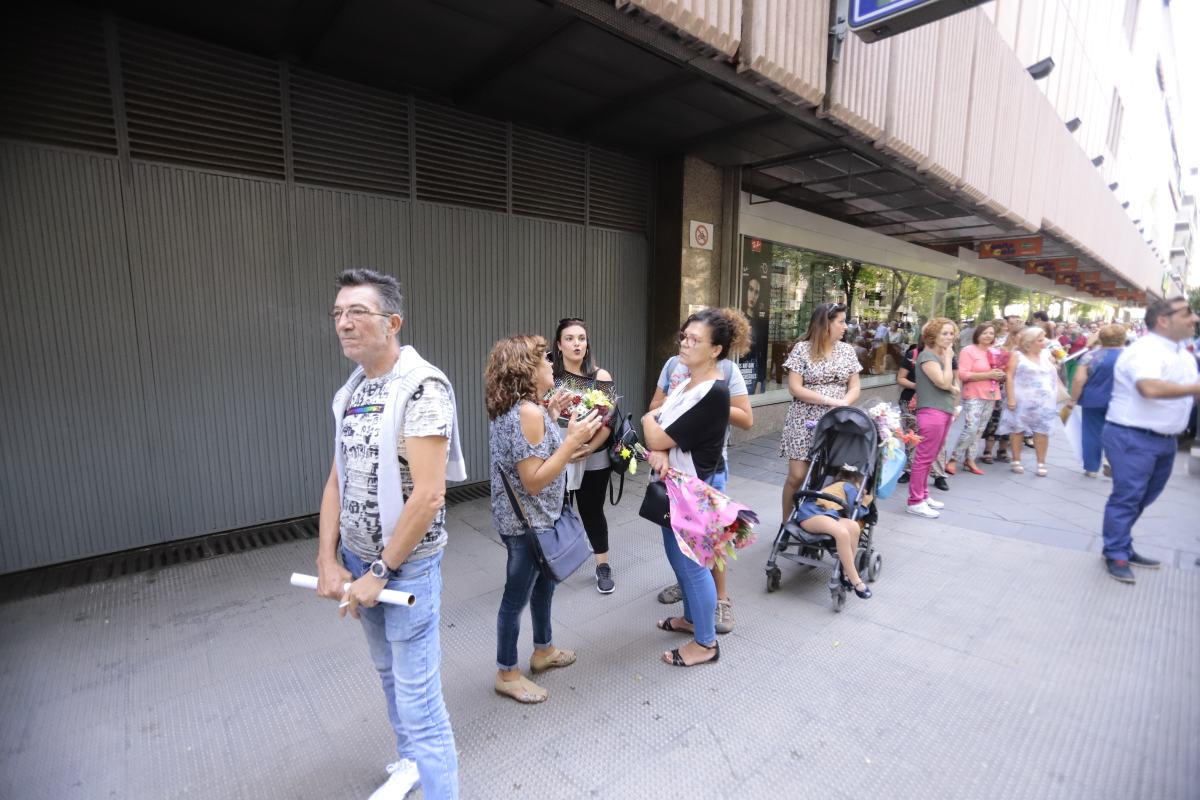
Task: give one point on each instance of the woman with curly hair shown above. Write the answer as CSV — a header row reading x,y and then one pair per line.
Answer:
x,y
741,415
528,451
937,396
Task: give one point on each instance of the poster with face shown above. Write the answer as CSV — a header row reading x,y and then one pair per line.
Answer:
x,y
754,291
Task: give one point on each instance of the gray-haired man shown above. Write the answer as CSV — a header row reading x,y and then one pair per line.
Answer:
x,y
395,445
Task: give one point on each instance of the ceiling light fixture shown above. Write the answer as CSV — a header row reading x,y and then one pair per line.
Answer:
x,y
1042,68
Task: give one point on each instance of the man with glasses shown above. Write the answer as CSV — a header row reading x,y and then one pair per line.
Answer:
x,y
1155,384
383,511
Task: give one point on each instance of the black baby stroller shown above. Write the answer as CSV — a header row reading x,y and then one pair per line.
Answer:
x,y
845,439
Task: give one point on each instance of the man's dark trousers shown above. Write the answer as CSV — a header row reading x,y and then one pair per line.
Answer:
x,y
1141,464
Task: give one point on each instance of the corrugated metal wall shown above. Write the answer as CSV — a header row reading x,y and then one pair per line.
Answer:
x,y
168,363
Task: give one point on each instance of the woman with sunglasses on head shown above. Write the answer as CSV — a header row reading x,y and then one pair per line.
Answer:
x,y
741,416
528,455
822,374
587,475
688,433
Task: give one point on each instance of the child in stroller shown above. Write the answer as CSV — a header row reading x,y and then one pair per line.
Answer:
x,y
834,510
823,515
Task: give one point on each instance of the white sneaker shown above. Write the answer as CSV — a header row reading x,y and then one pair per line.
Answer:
x,y
404,776
936,505
922,509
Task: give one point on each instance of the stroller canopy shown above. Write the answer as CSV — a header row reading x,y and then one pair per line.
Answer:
x,y
846,437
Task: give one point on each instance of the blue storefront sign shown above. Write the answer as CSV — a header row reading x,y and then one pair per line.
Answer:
x,y
879,19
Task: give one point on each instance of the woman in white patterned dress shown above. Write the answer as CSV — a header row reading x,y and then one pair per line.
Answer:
x,y
822,374
1032,397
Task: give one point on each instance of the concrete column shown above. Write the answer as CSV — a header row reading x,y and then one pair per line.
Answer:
x,y
683,276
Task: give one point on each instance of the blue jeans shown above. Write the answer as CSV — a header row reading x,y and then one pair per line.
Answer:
x,y
695,582
1093,430
524,585
1141,464
407,653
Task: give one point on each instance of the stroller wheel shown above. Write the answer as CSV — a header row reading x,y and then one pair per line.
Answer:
x,y
861,559
874,568
774,575
837,599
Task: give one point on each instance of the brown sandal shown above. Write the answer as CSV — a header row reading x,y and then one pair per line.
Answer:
x,y
522,690
558,658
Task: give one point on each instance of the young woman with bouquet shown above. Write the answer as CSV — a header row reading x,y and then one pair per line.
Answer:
x,y
576,372
688,434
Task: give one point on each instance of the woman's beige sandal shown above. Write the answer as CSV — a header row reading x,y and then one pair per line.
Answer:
x,y
1042,471
522,690
558,658
1018,468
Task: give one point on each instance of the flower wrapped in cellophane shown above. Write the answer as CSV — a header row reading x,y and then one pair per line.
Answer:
x,y
709,527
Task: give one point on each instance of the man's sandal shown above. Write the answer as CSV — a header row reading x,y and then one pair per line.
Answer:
x,y
522,690
675,658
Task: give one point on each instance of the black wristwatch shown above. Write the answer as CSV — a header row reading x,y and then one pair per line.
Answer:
x,y
380,569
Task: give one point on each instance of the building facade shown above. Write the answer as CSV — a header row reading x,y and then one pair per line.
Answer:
x,y
181,182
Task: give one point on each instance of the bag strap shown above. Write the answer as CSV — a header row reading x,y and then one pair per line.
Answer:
x,y
518,508
620,491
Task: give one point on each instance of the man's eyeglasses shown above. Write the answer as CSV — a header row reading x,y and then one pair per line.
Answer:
x,y
691,339
354,314
1184,310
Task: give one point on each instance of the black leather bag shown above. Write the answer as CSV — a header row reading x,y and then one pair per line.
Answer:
x,y
624,437
656,505
562,549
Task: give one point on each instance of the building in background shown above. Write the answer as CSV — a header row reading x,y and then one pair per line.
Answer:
x,y
181,181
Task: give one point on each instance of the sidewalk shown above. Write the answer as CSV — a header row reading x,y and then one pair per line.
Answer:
x,y
997,660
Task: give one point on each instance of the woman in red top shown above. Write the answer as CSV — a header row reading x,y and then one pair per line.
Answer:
x,y
981,390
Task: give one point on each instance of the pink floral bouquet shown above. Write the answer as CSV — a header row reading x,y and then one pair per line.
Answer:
x,y
708,526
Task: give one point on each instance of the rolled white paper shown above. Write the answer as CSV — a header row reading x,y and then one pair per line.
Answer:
x,y
392,597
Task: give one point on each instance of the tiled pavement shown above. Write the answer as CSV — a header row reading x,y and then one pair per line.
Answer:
x,y
996,661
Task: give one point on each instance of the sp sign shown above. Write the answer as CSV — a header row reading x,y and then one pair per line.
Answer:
x,y
701,235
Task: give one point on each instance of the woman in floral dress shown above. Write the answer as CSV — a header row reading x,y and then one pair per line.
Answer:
x,y
1032,397
822,374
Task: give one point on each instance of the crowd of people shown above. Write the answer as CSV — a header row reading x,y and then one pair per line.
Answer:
x,y
382,521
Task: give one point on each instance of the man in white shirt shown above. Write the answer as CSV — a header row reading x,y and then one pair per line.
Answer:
x,y
1155,384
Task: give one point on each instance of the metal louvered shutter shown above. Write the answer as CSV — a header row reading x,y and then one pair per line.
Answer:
x,y
462,159
194,103
347,135
54,84
549,176
618,191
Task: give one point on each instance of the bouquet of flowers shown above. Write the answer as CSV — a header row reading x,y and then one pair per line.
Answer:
x,y
593,400
892,436
998,357
892,442
582,402
708,526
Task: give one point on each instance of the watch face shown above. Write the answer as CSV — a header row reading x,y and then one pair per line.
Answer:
x,y
379,569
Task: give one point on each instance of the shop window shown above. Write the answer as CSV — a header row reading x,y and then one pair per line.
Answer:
x,y
780,285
